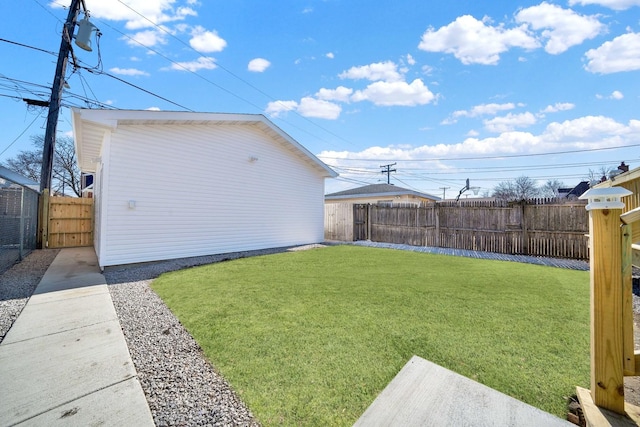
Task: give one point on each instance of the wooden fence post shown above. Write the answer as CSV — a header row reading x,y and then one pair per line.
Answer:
x,y
368,221
437,221
43,219
607,355
525,231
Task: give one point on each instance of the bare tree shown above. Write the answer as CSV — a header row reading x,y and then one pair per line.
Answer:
x,y
550,188
66,175
598,175
521,188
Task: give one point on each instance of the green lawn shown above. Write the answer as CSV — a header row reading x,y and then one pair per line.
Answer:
x,y
312,337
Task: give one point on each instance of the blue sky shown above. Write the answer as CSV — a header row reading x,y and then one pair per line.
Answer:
x,y
447,90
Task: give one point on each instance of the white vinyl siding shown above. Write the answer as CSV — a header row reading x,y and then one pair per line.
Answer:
x,y
197,191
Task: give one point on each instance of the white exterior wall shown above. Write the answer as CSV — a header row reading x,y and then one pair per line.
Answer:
x,y
197,192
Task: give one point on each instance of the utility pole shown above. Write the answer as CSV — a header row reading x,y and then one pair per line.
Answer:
x,y
56,95
444,192
48,148
388,171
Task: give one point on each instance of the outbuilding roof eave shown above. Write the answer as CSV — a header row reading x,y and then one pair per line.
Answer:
x,y
85,122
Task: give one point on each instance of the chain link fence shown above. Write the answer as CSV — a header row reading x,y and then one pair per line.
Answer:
x,y
18,218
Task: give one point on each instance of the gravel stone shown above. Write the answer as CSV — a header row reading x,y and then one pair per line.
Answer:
x,y
18,283
181,386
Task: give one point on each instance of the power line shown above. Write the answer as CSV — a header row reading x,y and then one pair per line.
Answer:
x,y
27,46
92,71
505,156
21,133
222,67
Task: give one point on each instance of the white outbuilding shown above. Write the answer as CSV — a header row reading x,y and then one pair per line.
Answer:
x,y
181,184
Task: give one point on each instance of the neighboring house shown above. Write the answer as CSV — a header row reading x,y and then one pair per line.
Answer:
x,y
629,179
380,194
180,184
575,192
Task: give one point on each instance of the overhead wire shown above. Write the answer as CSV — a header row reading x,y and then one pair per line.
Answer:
x,y
98,70
495,157
21,133
222,67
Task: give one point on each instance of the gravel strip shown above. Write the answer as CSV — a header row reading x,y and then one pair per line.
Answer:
x,y
18,283
181,386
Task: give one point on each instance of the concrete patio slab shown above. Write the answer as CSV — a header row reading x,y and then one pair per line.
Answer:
x,y
65,360
425,394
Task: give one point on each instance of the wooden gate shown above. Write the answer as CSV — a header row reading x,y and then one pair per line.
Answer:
x,y
70,222
360,222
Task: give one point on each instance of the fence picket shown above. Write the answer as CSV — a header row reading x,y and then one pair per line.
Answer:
x,y
538,227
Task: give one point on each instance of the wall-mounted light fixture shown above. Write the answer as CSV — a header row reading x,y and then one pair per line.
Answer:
x,y
605,198
132,204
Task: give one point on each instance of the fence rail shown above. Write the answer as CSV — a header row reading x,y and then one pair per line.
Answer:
x,y
542,227
70,222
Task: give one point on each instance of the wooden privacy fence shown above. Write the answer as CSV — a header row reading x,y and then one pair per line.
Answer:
x,y
70,222
540,227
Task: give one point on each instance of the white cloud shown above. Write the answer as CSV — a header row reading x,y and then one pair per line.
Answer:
x,y
311,107
612,4
128,71
330,55
616,94
397,93
588,132
202,63
147,38
308,107
427,70
341,94
206,41
558,106
410,59
157,11
585,129
276,108
509,122
387,71
562,28
474,42
479,110
153,109
620,54
258,65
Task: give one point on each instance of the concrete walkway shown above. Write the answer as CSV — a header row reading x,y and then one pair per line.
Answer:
x,y
424,394
65,360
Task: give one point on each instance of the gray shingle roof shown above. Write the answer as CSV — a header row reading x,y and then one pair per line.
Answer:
x,y
378,190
